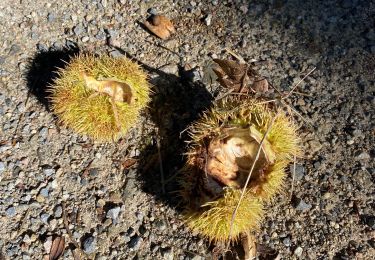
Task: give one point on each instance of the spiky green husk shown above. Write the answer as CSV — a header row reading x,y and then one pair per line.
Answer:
x,y
210,218
77,107
213,219
244,113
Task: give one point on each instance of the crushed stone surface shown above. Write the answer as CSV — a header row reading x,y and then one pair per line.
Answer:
x,y
117,211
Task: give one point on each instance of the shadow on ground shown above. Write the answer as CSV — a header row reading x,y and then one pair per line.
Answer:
x,y
177,101
43,69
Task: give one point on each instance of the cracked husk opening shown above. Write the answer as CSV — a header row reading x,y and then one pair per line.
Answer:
x,y
230,158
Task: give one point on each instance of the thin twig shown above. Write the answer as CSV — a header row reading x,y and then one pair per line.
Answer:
x,y
237,56
224,95
248,177
293,176
299,82
66,224
160,166
244,78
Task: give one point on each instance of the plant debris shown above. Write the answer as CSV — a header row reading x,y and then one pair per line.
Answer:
x,y
239,77
160,25
57,248
249,246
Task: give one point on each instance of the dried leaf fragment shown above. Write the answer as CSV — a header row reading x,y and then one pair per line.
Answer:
x,y
160,25
57,248
260,86
233,75
239,77
129,163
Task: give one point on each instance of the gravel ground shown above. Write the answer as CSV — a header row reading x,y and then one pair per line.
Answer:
x,y
111,194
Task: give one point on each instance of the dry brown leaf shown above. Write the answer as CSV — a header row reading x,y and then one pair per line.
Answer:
x,y
260,86
249,246
128,163
160,25
237,77
57,248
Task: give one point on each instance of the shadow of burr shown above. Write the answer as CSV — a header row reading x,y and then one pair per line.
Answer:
x,y
43,69
176,102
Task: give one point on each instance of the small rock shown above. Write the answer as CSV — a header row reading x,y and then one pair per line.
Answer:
x,y
303,206
47,244
85,39
160,225
14,49
152,11
298,251
286,241
363,156
48,171
208,19
167,254
170,69
116,54
58,211
139,216
113,213
2,167
78,30
10,212
135,243
89,245
43,132
44,217
50,17
299,173
44,192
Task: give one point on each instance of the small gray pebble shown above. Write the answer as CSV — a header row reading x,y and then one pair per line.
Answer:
x,y
2,167
286,241
208,19
43,132
135,243
49,171
89,245
50,17
44,217
3,58
10,212
160,225
299,173
152,11
116,54
363,156
44,192
303,206
58,211
298,251
113,213
14,49
78,30
41,47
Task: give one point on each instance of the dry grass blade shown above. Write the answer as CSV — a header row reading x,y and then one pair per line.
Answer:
x,y
299,82
293,176
57,248
248,178
161,166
